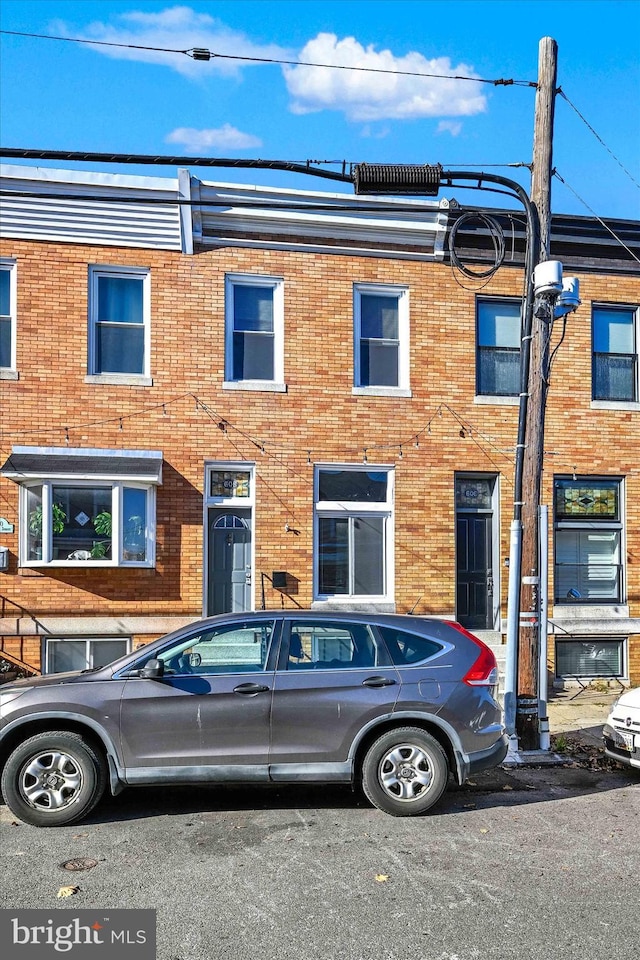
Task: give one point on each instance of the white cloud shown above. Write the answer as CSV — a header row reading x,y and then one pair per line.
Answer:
x,y
176,28
201,141
379,96
449,126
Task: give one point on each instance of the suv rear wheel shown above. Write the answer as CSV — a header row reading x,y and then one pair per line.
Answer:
x,y
53,779
405,772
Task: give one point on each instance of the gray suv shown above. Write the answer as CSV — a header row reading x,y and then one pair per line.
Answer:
x,y
394,703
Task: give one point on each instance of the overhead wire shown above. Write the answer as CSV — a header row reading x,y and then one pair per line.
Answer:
x,y
599,219
561,92
202,53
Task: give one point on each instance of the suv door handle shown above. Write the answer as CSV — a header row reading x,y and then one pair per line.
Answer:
x,y
249,688
378,682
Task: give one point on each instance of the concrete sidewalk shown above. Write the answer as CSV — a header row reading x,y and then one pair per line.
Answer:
x,y
581,714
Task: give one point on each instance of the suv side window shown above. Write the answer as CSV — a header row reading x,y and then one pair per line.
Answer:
x,y
233,648
406,648
327,646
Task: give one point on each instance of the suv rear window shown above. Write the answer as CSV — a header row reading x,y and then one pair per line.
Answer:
x,y
408,647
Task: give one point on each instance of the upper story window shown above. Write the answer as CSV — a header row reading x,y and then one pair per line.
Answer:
x,y
7,316
119,318
588,540
381,335
615,353
354,510
498,347
254,325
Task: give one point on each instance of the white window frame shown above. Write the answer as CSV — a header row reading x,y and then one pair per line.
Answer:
x,y
117,538
341,509
9,266
143,274
605,404
276,383
401,293
49,643
497,398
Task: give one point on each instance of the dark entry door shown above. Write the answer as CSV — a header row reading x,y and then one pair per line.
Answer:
x,y
474,573
229,588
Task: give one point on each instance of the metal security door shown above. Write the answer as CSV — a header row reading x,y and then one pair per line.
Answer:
x,y
474,571
229,561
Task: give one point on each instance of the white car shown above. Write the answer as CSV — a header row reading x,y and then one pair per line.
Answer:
x,y
621,732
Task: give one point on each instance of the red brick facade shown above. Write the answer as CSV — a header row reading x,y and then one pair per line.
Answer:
x,y
439,430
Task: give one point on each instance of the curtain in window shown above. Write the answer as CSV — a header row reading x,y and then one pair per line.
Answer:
x,y
253,332
120,325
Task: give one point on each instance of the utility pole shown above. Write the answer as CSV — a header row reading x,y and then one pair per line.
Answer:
x,y
529,627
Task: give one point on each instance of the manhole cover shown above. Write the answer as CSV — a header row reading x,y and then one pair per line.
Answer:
x,y
81,863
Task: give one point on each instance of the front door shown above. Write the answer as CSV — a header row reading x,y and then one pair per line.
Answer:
x,y
474,571
229,587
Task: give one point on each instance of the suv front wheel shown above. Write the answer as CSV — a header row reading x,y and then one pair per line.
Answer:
x,y
53,779
405,772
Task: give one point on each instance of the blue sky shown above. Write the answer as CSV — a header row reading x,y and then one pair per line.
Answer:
x,y
73,96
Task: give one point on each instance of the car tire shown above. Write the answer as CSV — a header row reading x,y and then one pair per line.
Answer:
x,y
53,779
405,772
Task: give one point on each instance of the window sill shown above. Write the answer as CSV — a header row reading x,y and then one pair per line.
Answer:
x,y
83,565
120,379
590,611
264,386
497,401
381,392
632,405
7,374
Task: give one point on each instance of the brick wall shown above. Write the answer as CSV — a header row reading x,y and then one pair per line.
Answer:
x,y
317,419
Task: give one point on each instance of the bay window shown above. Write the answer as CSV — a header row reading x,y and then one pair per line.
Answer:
x,y
88,507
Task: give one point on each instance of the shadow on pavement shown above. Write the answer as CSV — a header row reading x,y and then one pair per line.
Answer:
x,y
494,788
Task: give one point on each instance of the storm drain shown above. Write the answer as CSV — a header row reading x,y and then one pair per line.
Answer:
x,y
80,863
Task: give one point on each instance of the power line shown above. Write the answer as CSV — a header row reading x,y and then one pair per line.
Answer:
x,y
597,136
599,219
202,53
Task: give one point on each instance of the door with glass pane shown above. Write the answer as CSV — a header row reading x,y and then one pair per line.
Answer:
x,y
474,552
229,585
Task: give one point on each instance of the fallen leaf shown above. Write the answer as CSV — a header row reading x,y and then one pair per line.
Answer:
x,y
484,830
67,891
507,787
382,877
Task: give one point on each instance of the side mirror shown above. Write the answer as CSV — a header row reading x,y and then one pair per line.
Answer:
x,y
152,670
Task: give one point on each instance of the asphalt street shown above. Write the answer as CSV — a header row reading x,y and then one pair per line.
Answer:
x,y
526,863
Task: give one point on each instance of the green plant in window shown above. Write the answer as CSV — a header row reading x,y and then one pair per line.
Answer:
x,y
58,519
102,523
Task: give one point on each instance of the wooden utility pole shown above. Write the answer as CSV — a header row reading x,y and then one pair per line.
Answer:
x,y
529,631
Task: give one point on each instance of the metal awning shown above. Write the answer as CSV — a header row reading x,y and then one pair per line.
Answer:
x,y
64,463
